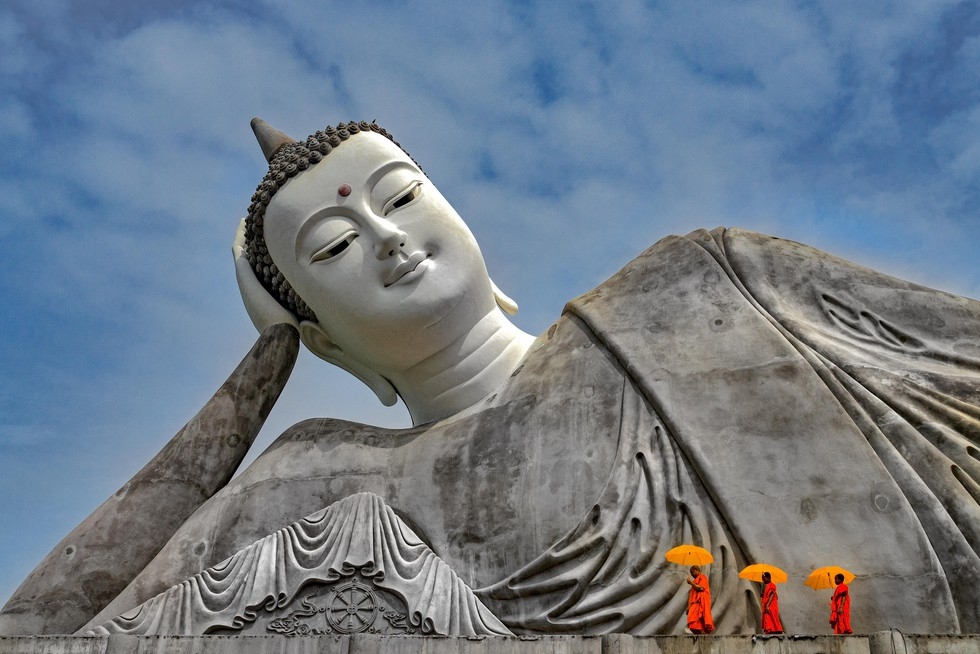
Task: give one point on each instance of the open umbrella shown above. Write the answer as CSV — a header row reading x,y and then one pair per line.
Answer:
x,y
689,555
823,578
754,573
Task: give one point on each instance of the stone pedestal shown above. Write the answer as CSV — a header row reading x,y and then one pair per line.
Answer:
x,y
876,643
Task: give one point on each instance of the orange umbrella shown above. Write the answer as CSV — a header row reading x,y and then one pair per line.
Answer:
x,y
754,573
823,578
689,555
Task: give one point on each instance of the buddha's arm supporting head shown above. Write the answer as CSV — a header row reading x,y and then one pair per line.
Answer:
x,y
350,241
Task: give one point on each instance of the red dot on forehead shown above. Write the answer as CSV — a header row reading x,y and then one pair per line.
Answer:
x,y
344,190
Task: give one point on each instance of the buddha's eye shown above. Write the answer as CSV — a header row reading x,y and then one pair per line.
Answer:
x,y
403,198
334,248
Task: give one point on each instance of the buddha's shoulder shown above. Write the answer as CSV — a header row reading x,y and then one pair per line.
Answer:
x,y
765,265
727,243
327,433
318,446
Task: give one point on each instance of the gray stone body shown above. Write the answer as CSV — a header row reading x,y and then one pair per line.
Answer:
x,y
753,395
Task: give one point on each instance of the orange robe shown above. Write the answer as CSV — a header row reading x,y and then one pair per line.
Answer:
x,y
771,623
840,610
699,607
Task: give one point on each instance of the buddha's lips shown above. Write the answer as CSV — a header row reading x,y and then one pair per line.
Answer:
x,y
405,268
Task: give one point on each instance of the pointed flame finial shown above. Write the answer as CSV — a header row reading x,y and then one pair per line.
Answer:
x,y
270,139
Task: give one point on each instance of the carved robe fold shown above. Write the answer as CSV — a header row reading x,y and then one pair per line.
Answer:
x,y
371,572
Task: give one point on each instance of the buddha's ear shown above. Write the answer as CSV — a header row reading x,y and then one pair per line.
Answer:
x,y
503,301
317,341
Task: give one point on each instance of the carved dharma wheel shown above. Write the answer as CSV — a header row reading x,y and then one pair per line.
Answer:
x,y
353,608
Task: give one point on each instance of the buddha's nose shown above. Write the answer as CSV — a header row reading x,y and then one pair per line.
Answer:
x,y
388,238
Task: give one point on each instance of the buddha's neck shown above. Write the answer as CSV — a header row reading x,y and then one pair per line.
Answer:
x,y
465,372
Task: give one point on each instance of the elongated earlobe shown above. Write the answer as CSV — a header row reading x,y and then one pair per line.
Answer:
x,y
503,301
319,343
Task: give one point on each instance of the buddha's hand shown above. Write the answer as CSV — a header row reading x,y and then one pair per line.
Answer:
x,y
262,308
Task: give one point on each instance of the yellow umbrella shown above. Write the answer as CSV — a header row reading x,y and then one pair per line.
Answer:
x,y
823,578
754,573
689,555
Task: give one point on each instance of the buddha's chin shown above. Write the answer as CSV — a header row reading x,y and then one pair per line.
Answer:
x,y
436,302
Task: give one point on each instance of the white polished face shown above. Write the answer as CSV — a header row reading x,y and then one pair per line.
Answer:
x,y
391,270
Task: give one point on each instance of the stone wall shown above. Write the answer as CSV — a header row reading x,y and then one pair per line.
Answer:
x,y
885,642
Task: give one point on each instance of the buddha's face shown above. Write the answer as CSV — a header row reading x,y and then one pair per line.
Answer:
x,y
387,265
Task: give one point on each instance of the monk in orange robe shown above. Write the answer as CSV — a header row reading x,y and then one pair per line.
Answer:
x,y
699,603
771,624
840,607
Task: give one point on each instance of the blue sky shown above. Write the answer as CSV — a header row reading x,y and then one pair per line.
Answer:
x,y
569,135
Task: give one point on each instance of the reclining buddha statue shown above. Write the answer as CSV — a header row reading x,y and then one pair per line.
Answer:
x,y
748,394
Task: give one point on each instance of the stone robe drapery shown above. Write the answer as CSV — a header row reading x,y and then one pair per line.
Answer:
x,y
355,537
640,420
